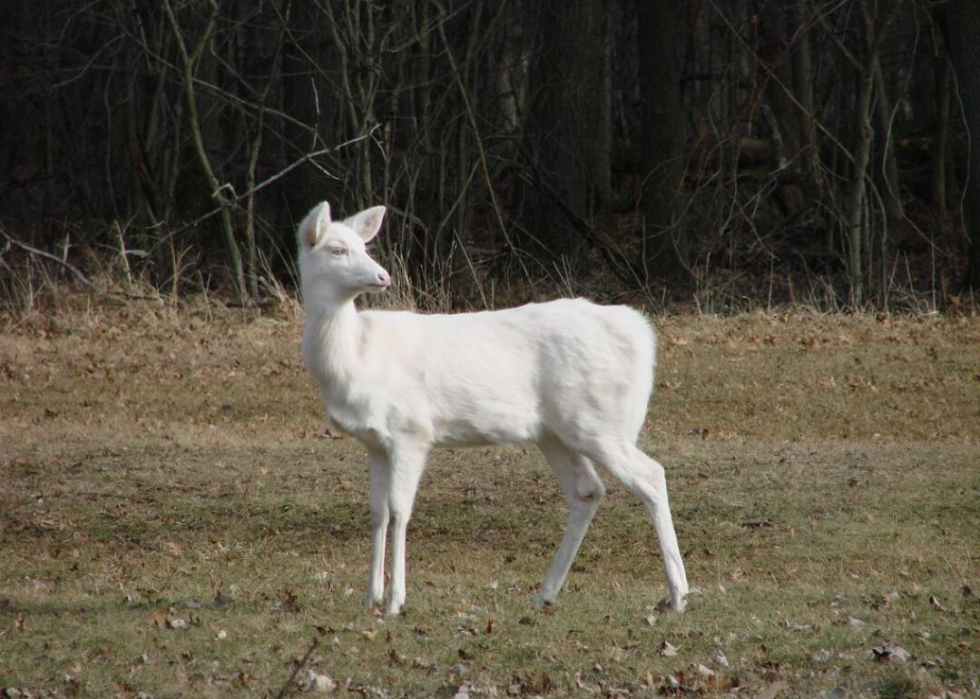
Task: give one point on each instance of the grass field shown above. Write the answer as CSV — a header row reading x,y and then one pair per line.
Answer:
x,y
173,525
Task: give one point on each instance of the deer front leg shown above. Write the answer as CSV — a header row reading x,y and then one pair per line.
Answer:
x,y
407,464
380,485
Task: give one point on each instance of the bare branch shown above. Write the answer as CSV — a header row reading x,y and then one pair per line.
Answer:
x,y
234,200
48,256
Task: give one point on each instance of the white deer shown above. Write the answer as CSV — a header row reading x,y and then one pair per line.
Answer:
x,y
570,376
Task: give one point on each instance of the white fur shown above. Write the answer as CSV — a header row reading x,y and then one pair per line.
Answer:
x,y
568,375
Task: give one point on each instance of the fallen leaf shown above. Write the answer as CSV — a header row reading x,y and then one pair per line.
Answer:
x,y
886,599
820,656
422,664
590,687
719,659
702,671
666,650
799,628
71,685
772,690
288,601
891,653
315,682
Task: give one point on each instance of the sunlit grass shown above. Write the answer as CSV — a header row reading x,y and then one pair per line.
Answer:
x,y
824,476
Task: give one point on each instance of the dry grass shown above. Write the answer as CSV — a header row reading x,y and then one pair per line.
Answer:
x,y
824,471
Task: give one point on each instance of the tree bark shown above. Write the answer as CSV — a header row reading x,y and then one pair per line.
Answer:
x,y
776,27
570,121
888,175
857,223
962,29
803,87
188,60
941,139
854,231
661,35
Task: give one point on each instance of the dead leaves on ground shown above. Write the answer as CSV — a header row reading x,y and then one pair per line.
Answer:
x,y
679,664
891,653
169,620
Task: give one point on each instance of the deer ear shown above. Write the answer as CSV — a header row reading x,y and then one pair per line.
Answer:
x,y
319,225
367,223
314,226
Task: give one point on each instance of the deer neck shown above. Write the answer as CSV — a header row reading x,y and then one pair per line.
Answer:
x,y
331,342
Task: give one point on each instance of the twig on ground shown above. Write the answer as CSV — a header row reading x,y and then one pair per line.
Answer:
x,y
299,666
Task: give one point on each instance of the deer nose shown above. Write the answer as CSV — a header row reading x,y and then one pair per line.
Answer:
x,y
384,279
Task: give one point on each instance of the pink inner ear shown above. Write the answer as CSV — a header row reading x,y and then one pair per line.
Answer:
x,y
320,225
368,222
311,234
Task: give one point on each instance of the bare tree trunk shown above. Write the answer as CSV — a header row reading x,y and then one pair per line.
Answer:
x,y
777,49
857,223
188,60
803,87
661,34
570,121
854,233
941,139
962,29
784,47
894,210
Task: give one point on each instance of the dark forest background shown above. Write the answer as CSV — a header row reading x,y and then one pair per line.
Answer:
x,y
734,152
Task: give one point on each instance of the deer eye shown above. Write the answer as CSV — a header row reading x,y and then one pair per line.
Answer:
x,y
338,251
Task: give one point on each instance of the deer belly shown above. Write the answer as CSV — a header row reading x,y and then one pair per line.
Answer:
x,y
487,428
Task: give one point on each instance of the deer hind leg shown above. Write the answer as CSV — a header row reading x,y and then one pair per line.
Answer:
x,y
583,491
645,477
